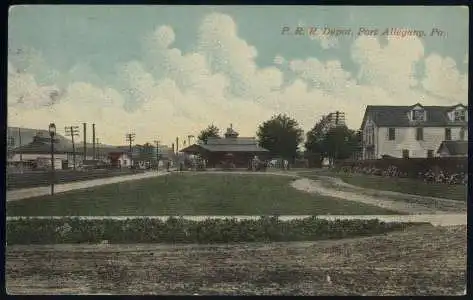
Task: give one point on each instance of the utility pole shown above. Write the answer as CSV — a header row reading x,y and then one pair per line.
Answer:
x,y
130,138
72,131
99,155
93,141
85,141
189,139
157,154
19,145
177,145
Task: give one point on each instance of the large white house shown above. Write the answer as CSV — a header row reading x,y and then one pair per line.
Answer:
x,y
411,131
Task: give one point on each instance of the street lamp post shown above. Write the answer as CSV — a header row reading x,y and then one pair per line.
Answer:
x,y
52,133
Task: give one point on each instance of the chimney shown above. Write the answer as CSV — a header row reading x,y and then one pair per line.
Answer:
x,y
93,141
85,140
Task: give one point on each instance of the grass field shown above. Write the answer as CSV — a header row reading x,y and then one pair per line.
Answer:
x,y
402,185
191,194
421,261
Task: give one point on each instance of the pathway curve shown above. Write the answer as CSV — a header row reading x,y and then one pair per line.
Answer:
x,y
20,194
317,187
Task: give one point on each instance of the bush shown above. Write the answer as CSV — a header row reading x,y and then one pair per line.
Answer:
x,y
412,166
179,230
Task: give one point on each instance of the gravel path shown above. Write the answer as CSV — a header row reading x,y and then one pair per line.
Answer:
x,y
65,187
316,186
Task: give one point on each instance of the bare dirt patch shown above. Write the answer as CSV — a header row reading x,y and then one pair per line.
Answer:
x,y
422,261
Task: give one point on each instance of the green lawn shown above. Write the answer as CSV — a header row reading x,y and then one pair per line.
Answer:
x,y
191,194
402,185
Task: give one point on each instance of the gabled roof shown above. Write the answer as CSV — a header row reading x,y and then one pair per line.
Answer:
x,y
454,147
397,116
116,155
232,141
42,146
253,148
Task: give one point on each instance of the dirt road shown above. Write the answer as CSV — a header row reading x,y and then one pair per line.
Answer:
x,y
428,207
19,194
421,261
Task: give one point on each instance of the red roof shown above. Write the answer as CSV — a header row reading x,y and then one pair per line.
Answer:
x,y
115,155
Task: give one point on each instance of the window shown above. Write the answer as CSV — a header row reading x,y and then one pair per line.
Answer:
x,y
418,115
430,153
420,134
448,134
462,134
392,134
405,153
459,115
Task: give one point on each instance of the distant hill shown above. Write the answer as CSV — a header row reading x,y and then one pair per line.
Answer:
x,y
27,135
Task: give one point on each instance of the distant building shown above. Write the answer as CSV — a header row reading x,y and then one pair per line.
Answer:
x,y
411,131
239,149
37,154
120,159
453,149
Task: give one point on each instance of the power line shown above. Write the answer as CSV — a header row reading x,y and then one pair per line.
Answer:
x,y
72,131
130,138
157,153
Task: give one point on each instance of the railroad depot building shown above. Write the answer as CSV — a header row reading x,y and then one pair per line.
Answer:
x,y
230,148
37,154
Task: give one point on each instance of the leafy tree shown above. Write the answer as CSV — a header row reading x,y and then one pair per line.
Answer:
x,y
281,135
340,143
210,131
316,136
326,141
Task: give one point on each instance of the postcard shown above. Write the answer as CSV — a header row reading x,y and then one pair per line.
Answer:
x,y
237,150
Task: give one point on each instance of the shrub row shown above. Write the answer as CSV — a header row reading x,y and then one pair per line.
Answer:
x,y
412,166
179,230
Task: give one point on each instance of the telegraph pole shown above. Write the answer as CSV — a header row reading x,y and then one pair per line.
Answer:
x,y
19,145
85,140
72,131
93,141
177,145
99,155
130,138
157,154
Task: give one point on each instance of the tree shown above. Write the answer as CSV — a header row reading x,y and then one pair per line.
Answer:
x,y
315,141
326,141
340,143
281,135
210,131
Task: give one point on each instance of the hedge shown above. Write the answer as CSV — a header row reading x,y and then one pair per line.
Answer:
x,y
412,166
178,230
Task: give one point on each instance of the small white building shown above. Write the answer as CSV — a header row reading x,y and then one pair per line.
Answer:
x,y
411,131
120,159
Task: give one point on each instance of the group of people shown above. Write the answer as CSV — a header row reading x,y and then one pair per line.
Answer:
x,y
438,176
262,165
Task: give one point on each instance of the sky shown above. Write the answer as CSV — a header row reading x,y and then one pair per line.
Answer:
x,y
169,71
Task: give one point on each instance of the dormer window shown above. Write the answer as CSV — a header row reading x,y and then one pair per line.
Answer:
x,y
418,115
459,115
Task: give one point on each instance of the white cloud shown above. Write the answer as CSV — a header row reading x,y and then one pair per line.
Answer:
x,y
444,80
391,67
279,60
176,94
326,41
327,75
